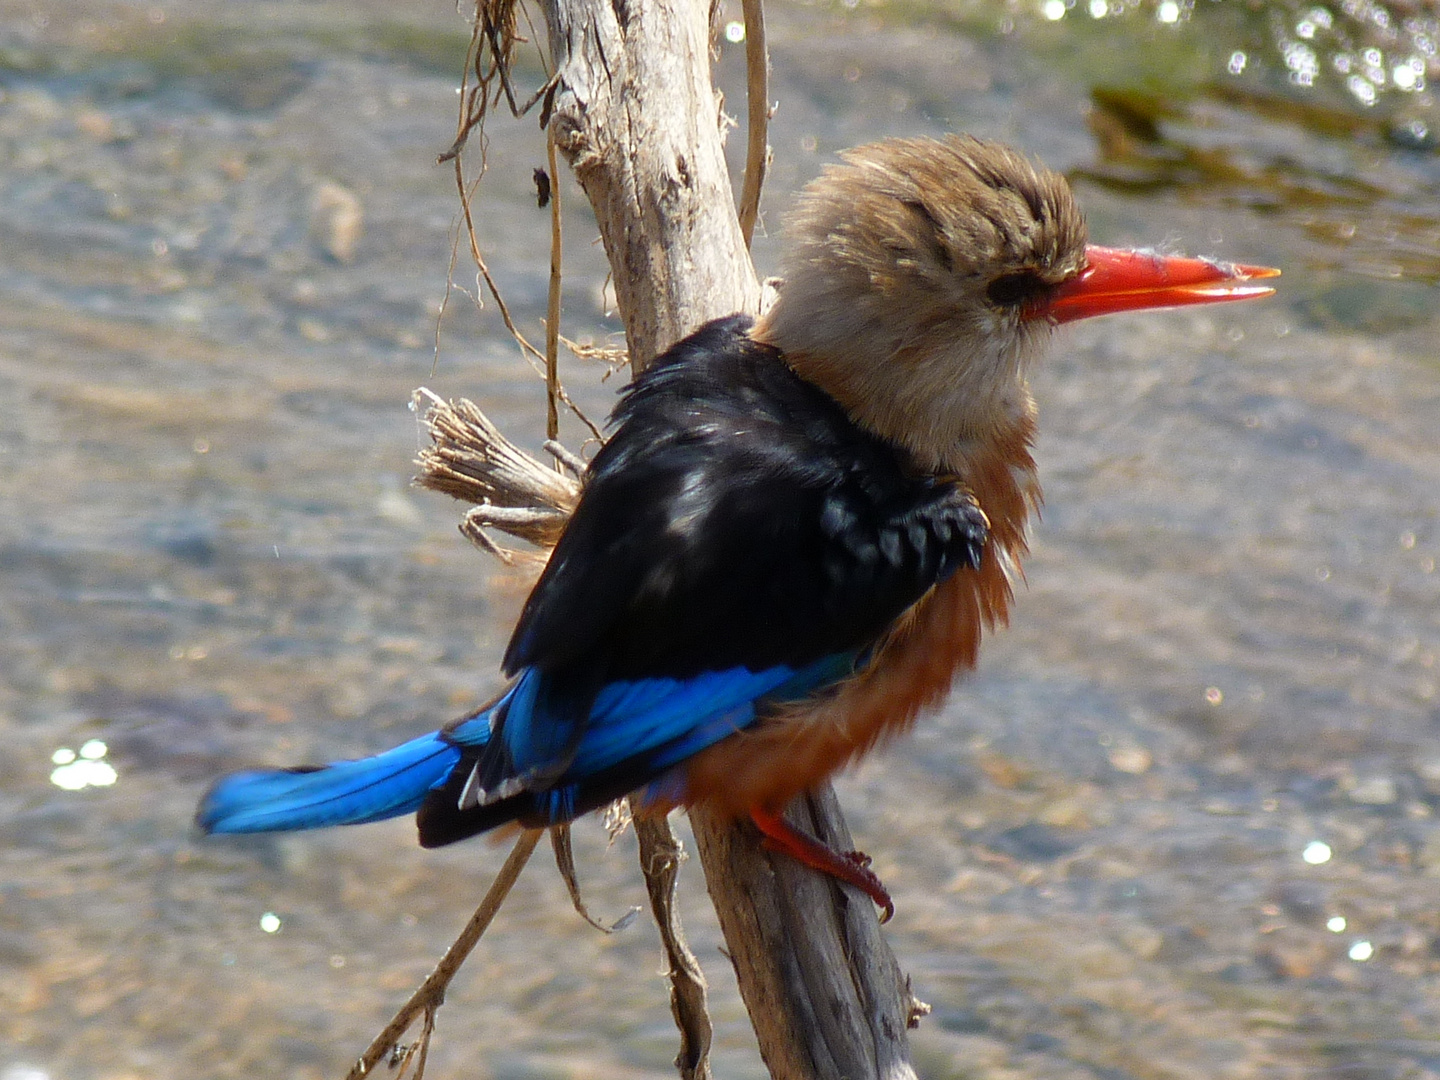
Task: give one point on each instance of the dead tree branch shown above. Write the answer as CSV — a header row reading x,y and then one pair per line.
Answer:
x,y
636,116
631,107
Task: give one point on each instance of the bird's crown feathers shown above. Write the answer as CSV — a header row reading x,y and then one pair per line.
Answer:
x,y
910,273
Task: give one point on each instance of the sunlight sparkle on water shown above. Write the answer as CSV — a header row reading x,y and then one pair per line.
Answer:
x,y
1302,62
1168,12
1336,924
1054,10
1317,18
1362,88
1362,950
1316,852
1409,76
88,768
270,922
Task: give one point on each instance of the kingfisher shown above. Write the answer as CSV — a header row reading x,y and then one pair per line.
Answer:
x,y
798,529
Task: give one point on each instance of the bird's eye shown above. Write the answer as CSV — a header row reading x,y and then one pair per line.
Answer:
x,y
1017,289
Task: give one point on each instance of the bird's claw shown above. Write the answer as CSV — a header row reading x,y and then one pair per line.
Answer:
x,y
851,867
868,882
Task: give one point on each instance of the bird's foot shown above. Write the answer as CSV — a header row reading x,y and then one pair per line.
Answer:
x,y
851,867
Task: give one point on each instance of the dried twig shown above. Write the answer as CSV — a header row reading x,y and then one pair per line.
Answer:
x,y
614,357
432,991
552,308
757,125
472,461
573,462
528,350
565,863
484,269
495,26
660,857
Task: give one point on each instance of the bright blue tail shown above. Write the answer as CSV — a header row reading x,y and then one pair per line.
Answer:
x,y
519,759
343,793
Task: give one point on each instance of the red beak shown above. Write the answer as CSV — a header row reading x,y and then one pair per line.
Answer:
x,y
1118,280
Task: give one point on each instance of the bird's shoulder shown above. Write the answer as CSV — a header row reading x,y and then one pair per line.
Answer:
x,y
722,392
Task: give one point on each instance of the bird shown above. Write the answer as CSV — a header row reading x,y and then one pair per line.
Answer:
x,y
799,527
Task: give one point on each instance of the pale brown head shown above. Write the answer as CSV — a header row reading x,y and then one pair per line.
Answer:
x,y
922,276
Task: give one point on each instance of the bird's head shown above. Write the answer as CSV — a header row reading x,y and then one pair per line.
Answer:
x,y
923,276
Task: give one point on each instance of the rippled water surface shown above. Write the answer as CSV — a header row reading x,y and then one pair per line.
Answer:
x,y
1180,823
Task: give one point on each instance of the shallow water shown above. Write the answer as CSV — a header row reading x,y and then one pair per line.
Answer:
x,y
1180,823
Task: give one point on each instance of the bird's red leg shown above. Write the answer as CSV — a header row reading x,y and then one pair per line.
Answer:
x,y
851,867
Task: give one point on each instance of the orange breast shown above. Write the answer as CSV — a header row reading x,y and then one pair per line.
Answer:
x,y
798,746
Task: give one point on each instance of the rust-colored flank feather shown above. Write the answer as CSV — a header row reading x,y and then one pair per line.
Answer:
x,y
798,746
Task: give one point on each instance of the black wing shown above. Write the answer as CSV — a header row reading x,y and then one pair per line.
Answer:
x,y
737,517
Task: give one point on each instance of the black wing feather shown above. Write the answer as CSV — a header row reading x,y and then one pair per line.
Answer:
x,y
738,517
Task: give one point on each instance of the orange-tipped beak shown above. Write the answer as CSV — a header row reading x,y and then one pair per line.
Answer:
x,y
1118,280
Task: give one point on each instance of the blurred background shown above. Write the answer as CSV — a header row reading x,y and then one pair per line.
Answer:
x,y
1180,824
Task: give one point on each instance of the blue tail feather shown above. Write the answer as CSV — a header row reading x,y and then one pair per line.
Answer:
x,y
343,793
633,735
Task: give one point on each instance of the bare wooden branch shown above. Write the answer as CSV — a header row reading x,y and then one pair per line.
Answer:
x,y
637,118
636,115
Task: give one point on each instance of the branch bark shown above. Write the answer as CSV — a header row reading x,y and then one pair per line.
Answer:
x,y
636,116
639,122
